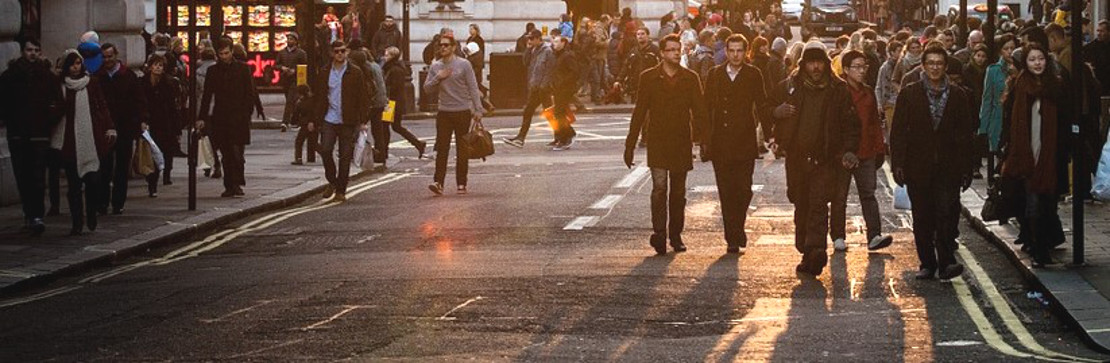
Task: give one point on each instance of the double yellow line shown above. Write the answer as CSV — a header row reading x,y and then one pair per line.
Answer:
x,y
212,241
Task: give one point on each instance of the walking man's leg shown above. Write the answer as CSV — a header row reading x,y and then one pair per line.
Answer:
x,y
123,151
924,210
444,129
327,151
659,184
346,139
461,125
380,134
676,203
817,219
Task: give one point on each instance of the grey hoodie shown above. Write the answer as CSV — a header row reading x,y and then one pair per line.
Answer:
x,y
541,65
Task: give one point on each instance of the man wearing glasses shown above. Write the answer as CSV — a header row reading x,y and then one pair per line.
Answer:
x,y
871,154
460,103
932,155
344,107
818,128
31,99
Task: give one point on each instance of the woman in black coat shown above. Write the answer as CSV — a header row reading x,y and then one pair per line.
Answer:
x,y
395,73
164,120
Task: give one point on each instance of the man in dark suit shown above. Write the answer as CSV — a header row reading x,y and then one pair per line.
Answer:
x,y
932,148
127,104
230,86
734,95
671,96
343,107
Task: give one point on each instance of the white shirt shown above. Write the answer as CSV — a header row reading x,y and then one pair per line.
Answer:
x,y
1035,131
732,73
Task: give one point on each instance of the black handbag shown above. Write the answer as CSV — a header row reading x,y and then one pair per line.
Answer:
x,y
478,142
1000,204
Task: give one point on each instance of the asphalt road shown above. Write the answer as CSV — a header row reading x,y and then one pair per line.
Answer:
x,y
546,259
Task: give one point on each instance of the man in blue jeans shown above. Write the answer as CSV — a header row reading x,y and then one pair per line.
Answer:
x,y
344,108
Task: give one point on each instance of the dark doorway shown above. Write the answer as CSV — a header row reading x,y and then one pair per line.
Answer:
x,y
592,8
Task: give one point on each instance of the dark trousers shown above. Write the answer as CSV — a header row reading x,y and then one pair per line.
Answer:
x,y
1041,223
866,183
563,129
668,202
291,96
313,139
936,219
29,160
115,170
380,132
234,166
447,124
78,208
809,187
401,130
53,178
734,185
535,99
344,135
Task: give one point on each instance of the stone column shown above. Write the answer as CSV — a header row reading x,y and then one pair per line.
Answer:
x,y
10,22
119,22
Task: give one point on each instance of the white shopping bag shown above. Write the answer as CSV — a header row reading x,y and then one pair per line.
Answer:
x,y
901,198
1101,187
159,157
206,157
360,148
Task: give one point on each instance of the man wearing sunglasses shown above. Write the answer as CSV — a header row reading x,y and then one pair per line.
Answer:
x,y
344,108
460,103
31,100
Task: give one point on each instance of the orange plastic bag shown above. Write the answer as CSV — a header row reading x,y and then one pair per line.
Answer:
x,y
549,115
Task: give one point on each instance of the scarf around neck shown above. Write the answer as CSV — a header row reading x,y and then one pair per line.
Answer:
x,y
938,98
84,136
1020,162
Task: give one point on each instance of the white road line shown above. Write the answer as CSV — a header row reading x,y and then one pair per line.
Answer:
x,y
11,273
581,222
633,177
607,202
272,347
39,296
237,312
452,311
347,309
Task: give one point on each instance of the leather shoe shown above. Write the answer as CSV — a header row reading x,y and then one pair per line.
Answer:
x,y
951,271
925,274
676,243
659,243
803,268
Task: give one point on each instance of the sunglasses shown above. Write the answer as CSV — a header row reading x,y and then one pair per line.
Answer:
x,y
340,51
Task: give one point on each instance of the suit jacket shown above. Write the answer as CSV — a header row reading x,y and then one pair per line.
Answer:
x,y
735,107
231,87
677,115
126,100
355,94
924,152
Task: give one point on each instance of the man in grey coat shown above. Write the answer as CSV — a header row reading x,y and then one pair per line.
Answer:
x,y
540,61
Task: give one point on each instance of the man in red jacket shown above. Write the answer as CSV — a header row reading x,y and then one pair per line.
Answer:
x,y
871,154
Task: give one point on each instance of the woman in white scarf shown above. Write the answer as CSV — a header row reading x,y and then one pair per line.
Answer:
x,y
84,135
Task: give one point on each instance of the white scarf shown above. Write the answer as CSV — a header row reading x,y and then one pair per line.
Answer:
x,y
84,136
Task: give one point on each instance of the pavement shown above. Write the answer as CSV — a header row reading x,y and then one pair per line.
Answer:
x,y
146,223
546,259
1081,293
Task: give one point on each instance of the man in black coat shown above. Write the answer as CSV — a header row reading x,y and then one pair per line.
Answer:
x,y
387,36
671,97
932,148
343,108
734,95
31,99
564,86
287,62
229,84
818,128
127,104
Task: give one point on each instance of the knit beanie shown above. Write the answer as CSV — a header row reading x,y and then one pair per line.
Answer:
x,y
815,50
779,46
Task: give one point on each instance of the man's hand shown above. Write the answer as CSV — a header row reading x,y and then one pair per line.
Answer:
x,y
629,153
111,134
364,127
144,126
850,161
444,74
477,117
899,177
200,125
785,110
703,151
311,127
772,145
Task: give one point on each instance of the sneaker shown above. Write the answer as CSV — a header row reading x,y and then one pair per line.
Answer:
x,y
563,146
460,189
553,143
879,242
297,162
420,148
840,245
284,128
514,142
736,250
436,188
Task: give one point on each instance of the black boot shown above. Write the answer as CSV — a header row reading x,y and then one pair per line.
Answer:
x,y
166,178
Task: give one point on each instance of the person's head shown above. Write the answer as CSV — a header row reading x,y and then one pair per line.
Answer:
x,y
930,33
670,48
1057,39
902,36
706,37
177,45
667,18
1036,58
340,52
446,31
940,21
73,65
855,66
111,55
239,52
842,42
559,43
723,33
535,38
736,48
974,23
894,51
474,30
979,55
391,54
355,44
934,62
684,24
643,36
564,17
208,54
870,34
1034,35
748,16
156,65
292,40
330,10
1103,31
32,49
947,38
161,40
223,50
1006,44
390,22
913,48
446,46
528,28
357,56
815,60
974,39
626,13
759,46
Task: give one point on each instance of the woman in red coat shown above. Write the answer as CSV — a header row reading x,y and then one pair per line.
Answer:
x,y
84,136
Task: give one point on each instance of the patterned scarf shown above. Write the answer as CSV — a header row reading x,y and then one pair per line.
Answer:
x,y
938,99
